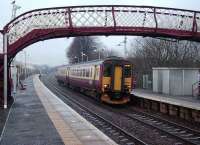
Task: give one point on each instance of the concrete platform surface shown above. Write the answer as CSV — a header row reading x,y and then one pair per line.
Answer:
x,y
38,117
73,129
28,122
185,101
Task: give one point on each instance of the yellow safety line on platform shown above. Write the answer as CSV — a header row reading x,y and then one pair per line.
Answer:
x,y
63,129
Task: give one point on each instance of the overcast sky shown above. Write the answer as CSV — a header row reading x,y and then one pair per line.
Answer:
x,y
52,52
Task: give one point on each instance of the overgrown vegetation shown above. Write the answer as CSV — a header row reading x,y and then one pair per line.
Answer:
x,y
149,52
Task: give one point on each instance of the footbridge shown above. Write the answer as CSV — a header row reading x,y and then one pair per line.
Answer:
x,y
42,24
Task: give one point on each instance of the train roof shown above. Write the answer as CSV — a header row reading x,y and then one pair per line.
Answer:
x,y
92,62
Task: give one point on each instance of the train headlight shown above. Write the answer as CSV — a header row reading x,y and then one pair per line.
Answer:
x,y
127,88
106,86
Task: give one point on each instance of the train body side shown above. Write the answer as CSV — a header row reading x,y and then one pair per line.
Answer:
x,y
110,79
85,77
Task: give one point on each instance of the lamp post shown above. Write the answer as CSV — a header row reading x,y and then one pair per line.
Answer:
x,y
99,54
77,58
5,43
14,9
14,69
25,72
125,46
83,54
99,51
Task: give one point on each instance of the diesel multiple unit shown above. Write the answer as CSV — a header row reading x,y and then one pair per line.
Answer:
x,y
110,79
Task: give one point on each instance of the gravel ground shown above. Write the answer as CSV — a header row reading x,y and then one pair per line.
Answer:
x,y
148,134
178,120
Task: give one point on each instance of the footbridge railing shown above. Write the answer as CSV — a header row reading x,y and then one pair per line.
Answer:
x,y
48,23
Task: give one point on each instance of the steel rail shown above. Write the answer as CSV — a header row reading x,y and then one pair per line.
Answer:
x,y
146,122
153,122
73,101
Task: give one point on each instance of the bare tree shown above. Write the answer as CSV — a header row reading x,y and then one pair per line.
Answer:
x,y
110,52
149,52
163,53
83,49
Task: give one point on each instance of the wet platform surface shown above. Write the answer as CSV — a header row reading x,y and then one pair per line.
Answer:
x,y
185,101
28,122
38,117
73,129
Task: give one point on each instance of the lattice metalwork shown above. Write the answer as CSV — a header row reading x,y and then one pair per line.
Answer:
x,y
134,17
92,17
45,19
175,19
116,17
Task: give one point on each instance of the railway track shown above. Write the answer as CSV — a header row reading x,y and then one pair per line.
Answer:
x,y
187,135
121,136
184,134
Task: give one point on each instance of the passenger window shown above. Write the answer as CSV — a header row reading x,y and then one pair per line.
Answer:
x,y
91,72
83,72
97,73
107,70
87,72
127,71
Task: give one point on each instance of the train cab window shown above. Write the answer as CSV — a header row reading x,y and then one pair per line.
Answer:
x,y
107,70
127,71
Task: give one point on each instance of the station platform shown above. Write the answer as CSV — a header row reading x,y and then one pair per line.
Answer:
x,y
38,117
183,101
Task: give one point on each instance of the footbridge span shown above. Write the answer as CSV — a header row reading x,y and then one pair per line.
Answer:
x,y
42,24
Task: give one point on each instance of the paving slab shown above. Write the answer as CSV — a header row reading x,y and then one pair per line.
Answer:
x,y
77,130
28,122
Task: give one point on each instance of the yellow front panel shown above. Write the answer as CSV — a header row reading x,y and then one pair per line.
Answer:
x,y
118,78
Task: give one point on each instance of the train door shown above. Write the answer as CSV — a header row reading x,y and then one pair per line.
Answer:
x,y
117,78
94,77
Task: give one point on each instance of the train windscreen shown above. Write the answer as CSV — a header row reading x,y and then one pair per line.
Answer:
x,y
127,71
107,70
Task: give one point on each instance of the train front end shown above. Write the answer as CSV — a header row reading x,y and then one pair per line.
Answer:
x,y
116,81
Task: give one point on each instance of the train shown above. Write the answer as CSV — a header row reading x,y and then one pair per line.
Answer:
x,y
110,79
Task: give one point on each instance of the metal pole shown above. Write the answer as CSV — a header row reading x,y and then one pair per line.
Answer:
x,y
99,54
25,64
82,56
125,48
14,9
14,69
5,44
